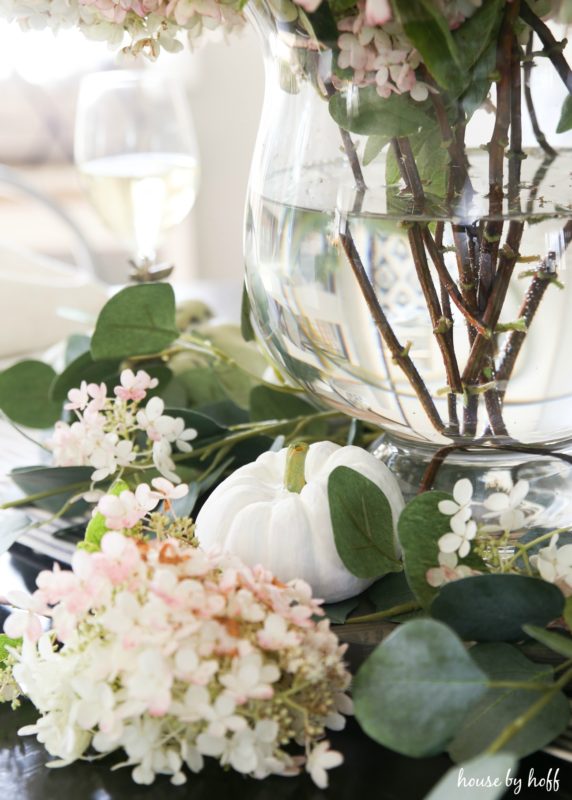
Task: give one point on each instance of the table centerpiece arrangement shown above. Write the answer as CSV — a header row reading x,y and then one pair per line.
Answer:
x,y
219,503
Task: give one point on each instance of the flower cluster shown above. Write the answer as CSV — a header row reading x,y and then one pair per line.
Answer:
x,y
501,514
175,654
374,47
149,24
112,433
491,537
382,57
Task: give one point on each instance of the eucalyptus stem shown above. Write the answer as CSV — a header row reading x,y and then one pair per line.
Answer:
x,y
517,725
529,686
34,498
395,611
524,548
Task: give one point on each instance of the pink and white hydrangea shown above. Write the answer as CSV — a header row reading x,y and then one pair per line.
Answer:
x,y
106,429
224,685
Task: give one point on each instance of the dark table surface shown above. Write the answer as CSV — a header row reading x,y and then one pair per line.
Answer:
x,y
368,771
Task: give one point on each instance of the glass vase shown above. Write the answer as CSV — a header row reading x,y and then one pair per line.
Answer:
x,y
407,255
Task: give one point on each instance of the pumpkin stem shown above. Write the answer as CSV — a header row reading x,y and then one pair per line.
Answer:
x,y
294,479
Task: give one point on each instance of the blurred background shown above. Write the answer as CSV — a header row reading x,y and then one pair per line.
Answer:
x,y
39,78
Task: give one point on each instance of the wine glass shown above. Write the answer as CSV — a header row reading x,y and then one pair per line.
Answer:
x,y
136,152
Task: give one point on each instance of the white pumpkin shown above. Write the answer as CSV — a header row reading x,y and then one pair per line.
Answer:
x,y
254,516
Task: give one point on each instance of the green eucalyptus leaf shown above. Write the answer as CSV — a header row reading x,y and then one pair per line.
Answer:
x,y
246,355
428,30
25,394
246,327
362,523
373,148
478,32
493,608
12,523
420,527
173,394
248,451
499,707
136,321
565,121
340,7
339,612
397,115
267,403
390,591
483,778
481,80
84,368
324,25
225,413
416,689
64,482
554,641
236,383
97,527
202,386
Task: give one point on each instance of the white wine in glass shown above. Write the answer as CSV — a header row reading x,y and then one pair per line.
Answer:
x,y
136,152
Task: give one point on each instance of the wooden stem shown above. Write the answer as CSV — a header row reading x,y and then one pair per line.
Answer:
x,y
528,65
552,48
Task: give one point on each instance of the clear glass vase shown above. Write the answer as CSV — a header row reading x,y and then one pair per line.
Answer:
x,y
407,257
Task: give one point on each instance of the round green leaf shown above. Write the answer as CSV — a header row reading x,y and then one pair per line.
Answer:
x,y
397,115
501,706
25,394
493,608
136,321
415,690
420,527
363,524
267,403
61,482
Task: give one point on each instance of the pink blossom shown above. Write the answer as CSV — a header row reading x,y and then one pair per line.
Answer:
x,y
275,634
377,12
78,398
125,510
23,623
134,386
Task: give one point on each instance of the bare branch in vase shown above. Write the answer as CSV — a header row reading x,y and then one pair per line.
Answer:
x,y
552,47
538,133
